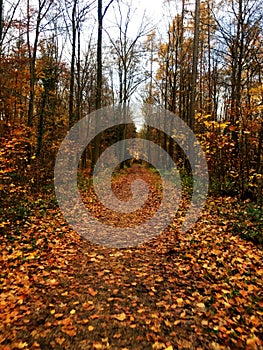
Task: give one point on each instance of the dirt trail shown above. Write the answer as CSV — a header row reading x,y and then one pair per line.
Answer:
x,y
200,290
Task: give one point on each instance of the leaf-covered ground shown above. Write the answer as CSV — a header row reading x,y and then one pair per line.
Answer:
x,y
200,290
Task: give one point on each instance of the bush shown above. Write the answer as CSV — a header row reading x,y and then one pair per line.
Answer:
x,y
249,222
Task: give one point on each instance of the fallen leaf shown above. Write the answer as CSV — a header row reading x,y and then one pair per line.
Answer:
x,y
69,330
252,343
180,302
66,321
120,317
117,336
22,345
201,306
158,346
60,341
92,292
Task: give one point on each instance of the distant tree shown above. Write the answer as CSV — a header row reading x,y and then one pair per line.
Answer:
x,y
7,22
76,13
127,49
128,53
99,78
194,71
1,21
43,8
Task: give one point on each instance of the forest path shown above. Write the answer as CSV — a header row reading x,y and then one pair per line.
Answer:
x,y
199,290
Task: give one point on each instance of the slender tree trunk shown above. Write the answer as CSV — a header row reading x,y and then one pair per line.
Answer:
x,y
41,123
79,88
72,66
99,81
194,64
99,57
31,70
210,110
1,24
32,53
97,141
180,54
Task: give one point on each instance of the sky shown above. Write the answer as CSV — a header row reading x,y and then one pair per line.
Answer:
x,y
154,13
152,18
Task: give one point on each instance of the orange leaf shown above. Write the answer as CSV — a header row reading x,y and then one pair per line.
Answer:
x,y
238,329
117,336
60,341
92,292
66,321
69,330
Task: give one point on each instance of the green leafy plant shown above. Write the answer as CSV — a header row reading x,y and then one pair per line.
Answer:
x,y
249,223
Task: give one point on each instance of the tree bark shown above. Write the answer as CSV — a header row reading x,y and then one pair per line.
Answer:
x,y
98,102
97,141
1,23
72,66
32,53
194,64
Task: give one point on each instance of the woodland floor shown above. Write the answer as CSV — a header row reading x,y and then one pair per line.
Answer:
x,y
199,290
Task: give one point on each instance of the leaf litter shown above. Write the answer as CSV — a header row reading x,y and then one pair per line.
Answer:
x,y
198,290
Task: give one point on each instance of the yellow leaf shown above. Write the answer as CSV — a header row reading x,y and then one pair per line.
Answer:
x,y
158,346
120,317
155,329
168,323
140,311
90,328
72,312
215,346
201,306
52,281
4,223
180,301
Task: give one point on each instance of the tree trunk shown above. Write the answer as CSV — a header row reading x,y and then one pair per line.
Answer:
x,y
180,55
1,24
194,64
32,53
72,66
41,123
97,141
